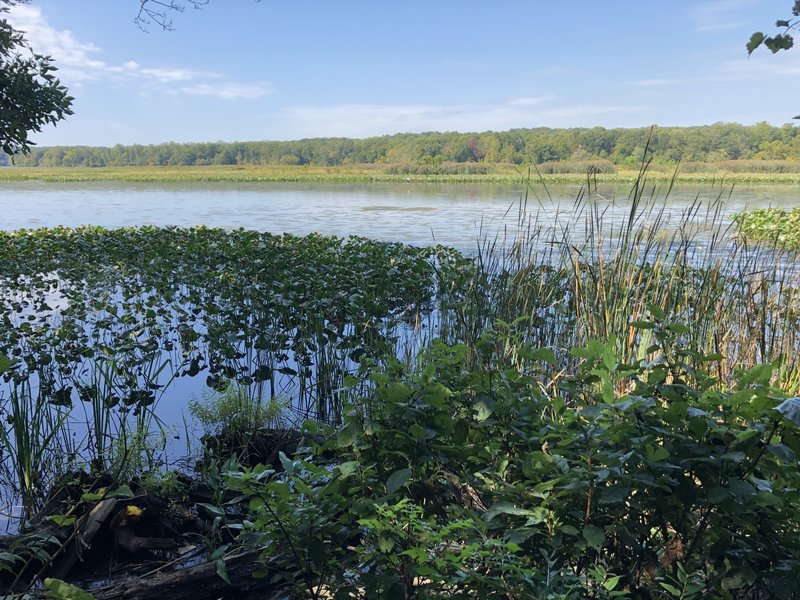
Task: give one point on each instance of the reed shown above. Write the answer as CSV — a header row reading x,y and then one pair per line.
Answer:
x,y
591,276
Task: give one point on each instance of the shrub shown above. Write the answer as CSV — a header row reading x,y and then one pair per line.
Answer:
x,y
641,480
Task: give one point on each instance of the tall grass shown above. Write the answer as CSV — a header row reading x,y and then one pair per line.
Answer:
x,y
564,280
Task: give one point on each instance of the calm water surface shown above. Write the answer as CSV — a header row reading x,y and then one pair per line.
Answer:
x,y
414,213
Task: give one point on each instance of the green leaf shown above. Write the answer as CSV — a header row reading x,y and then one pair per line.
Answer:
x,y
123,491
222,571
656,311
504,508
678,328
5,363
779,42
594,536
62,520
734,582
611,582
61,590
9,557
545,355
483,410
348,434
286,462
214,510
348,468
790,408
397,480
755,41
782,451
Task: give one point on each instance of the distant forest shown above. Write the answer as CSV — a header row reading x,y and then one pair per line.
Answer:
x,y
611,147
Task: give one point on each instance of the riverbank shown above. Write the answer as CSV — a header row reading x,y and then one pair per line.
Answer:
x,y
367,174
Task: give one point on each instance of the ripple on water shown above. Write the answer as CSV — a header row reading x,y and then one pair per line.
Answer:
x,y
400,208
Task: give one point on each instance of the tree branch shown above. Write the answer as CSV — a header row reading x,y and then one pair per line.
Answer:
x,y
158,12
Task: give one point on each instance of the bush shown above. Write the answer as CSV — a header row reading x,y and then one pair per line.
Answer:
x,y
643,480
577,166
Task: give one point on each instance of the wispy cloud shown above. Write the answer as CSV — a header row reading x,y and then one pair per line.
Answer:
x,y
784,64
660,82
80,61
228,90
362,120
718,15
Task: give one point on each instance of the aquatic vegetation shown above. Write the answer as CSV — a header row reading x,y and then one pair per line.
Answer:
x,y
571,172
560,282
587,406
101,321
777,226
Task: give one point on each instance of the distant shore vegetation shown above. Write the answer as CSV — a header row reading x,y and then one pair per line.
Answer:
x,y
567,173
728,147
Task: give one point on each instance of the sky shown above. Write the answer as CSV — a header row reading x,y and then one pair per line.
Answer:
x,y
244,70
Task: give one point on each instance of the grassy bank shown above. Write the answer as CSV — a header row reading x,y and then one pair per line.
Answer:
x,y
372,173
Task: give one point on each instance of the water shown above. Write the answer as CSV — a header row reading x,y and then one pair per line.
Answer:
x,y
454,214
450,214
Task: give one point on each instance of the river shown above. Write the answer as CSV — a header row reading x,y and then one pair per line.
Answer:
x,y
450,214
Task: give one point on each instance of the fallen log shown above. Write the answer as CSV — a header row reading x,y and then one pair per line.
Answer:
x,y
200,582
88,526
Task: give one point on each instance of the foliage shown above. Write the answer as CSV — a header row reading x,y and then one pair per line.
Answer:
x,y
231,408
778,226
452,480
56,589
96,324
451,152
30,94
779,41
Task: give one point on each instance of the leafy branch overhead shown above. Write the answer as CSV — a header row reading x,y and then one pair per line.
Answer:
x,y
30,94
782,40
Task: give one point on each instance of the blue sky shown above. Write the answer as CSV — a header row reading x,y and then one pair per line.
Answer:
x,y
243,70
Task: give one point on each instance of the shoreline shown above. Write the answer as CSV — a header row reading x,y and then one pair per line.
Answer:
x,y
367,174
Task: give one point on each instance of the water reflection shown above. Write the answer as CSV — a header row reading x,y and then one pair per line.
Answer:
x,y
451,214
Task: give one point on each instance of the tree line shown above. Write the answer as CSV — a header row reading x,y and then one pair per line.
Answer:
x,y
622,147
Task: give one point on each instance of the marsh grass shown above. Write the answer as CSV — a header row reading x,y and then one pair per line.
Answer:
x,y
592,276
787,172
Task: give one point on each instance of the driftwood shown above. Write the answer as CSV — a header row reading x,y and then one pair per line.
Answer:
x,y
88,526
199,583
